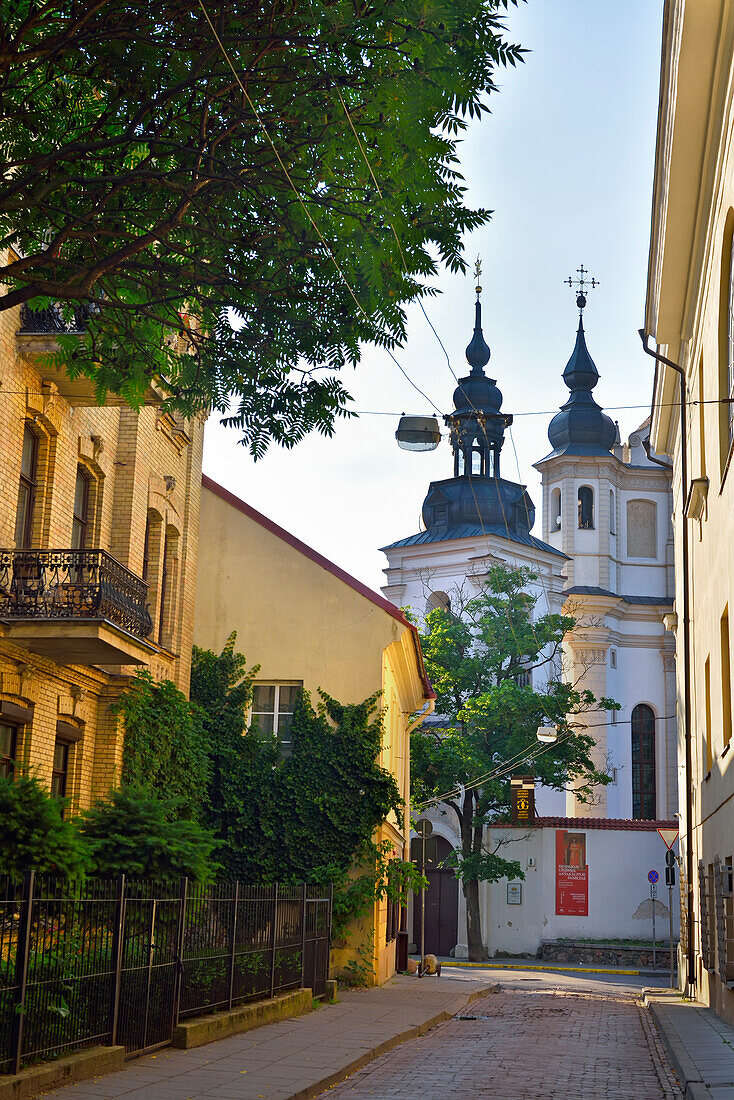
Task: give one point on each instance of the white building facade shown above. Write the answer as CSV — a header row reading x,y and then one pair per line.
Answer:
x,y
605,558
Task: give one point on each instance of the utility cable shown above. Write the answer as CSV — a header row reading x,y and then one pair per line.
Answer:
x,y
301,201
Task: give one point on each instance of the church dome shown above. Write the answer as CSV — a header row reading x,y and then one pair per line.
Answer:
x,y
581,427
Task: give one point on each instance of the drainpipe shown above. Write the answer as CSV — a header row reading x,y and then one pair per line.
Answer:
x,y
686,645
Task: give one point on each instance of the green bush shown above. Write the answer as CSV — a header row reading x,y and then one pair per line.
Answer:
x,y
35,835
135,832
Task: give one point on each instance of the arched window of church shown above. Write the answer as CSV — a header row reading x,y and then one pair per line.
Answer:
x,y
586,508
641,533
555,509
612,514
438,600
643,763
476,461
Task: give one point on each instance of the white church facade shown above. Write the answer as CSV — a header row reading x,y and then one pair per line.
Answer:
x,y
605,558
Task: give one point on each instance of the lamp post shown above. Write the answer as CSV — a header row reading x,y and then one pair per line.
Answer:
x,y
424,830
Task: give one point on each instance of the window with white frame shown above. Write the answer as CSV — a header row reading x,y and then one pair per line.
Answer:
x,y
272,710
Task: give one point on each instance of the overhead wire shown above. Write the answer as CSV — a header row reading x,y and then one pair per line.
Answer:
x,y
510,765
223,50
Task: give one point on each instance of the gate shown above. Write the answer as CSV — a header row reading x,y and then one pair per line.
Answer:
x,y
149,965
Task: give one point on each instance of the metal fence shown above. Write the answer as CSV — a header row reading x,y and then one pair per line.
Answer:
x,y
122,961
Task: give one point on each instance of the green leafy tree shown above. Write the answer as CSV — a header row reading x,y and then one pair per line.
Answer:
x,y
144,184
135,832
35,835
165,746
475,657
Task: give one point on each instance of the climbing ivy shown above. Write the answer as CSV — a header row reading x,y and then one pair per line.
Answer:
x,y
311,816
165,746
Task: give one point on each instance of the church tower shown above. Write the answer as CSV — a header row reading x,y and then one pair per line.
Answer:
x,y
607,507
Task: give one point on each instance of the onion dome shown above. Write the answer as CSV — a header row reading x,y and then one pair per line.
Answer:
x,y
477,392
581,427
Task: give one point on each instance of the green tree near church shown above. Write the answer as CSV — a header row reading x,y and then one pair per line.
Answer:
x,y
477,656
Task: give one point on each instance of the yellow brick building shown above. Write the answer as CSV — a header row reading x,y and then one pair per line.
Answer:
x,y
309,624
99,520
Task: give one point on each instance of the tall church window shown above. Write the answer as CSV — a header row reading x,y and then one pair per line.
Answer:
x,y
586,508
476,461
612,514
555,509
641,533
643,763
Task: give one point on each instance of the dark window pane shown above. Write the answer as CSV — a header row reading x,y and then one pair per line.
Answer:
x,y
288,693
263,698
8,744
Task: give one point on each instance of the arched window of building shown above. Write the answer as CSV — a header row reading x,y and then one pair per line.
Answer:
x,y
586,508
555,509
438,600
612,514
167,596
27,489
80,520
643,763
641,533
476,459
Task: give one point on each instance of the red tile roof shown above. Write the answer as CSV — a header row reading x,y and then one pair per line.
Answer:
x,y
592,823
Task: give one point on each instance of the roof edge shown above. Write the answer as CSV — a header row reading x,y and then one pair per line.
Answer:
x,y
319,559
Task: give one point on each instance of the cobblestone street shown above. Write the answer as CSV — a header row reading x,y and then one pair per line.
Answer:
x,y
528,1045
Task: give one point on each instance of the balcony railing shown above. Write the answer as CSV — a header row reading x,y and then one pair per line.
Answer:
x,y
72,584
52,320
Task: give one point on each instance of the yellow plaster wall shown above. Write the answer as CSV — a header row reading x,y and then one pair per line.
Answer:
x,y
300,622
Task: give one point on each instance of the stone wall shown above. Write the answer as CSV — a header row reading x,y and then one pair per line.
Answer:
x,y
601,954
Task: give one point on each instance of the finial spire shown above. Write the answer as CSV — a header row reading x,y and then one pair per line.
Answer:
x,y
582,285
477,353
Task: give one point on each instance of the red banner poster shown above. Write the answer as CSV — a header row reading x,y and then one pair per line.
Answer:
x,y
572,875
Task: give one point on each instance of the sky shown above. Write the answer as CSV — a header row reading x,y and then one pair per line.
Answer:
x,y
565,161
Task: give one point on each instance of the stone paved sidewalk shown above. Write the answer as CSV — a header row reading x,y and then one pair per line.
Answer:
x,y
527,1046
699,1044
294,1059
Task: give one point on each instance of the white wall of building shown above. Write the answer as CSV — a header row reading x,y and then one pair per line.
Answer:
x,y
618,862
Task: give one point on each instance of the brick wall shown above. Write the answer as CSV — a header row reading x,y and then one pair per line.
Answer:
x,y
143,466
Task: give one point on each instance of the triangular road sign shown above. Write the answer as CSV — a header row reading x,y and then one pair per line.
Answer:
x,y
669,836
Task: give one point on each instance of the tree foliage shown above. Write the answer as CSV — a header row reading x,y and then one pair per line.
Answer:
x,y
476,659
35,835
165,744
310,816
138,833
143,184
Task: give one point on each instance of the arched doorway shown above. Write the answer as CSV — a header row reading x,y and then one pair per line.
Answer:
x,y
442,901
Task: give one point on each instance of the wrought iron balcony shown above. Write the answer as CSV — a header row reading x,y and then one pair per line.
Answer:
x,y
73,604
52,320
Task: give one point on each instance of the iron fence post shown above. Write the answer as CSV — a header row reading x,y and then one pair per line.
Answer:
x,y
21,969
304,910
233,936
273,940
184,887
117,946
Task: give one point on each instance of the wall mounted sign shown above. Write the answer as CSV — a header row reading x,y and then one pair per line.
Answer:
x,y
572,875
514,893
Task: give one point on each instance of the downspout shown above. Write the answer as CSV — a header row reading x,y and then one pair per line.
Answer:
x,y
686,645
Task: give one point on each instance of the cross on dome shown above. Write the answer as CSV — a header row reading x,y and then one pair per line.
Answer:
x,y
582,286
